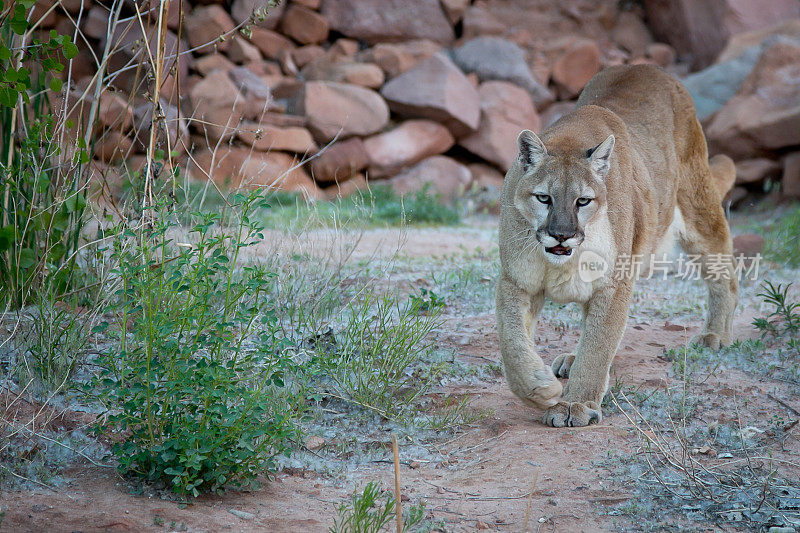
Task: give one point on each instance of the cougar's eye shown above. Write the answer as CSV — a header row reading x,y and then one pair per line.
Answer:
x,y
583,202
545,199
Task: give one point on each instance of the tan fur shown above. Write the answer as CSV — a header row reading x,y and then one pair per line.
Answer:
x,y
658,167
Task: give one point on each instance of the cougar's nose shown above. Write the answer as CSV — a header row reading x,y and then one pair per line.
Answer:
x,y
562,236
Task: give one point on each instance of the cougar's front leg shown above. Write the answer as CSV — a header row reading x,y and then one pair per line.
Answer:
x,y
604,318
526,374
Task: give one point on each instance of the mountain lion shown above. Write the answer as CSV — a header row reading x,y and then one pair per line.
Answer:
x,y
624,172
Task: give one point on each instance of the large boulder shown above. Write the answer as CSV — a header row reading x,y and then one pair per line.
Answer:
x,y
205,25
713,87
266,137
493,58
339,161
339,109
233,167
446,177
765,114
304,25
700,29
410,142
576,66
389,20
436,89
506,109
218,106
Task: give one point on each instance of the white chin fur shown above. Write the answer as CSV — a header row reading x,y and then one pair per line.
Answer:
x,y
558,260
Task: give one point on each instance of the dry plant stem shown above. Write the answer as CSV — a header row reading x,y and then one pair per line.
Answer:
x,y
398,501
530,500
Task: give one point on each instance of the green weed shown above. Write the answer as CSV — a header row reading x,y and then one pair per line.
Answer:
x,y
372,510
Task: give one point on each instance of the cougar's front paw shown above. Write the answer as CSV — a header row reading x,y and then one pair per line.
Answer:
x,y
546,388
573,414
709,340
562,364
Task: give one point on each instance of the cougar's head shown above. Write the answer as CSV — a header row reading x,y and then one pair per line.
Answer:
x,y
560,194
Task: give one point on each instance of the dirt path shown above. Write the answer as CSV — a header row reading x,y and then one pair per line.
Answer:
x,y
487,471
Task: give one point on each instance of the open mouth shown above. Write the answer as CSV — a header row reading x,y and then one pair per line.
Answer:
x,y
559,250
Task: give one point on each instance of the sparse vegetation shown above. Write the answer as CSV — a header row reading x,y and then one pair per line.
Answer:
x,y
371,510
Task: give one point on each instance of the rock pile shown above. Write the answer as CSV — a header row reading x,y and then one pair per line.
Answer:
x,y
424,91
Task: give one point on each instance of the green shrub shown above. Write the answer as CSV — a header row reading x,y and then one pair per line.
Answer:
x,y
194,378
41,195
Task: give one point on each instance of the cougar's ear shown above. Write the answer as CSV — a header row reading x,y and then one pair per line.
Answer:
x,y
600,156
531,149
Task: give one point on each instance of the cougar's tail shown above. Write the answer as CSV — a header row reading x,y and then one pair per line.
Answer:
x,y
723,171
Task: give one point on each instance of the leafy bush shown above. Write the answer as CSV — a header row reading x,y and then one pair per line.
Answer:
x,y
194,380
42,200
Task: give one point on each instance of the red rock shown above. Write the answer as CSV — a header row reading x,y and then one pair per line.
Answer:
x,y
173,123
344,48
265,137
266,16
631,33
128,39
282,120
742,41
205,25
283,86
270,43
344,70
748,244
765,113
756,170
303,25
662,54
506,109
701,29
218,103
310,4
303,55
96,23
479,21
340,161
255,92
232,167
791,176
241,51
397,58
287,64
575,67
454,9
346,188
388,20
264,68
112,146
114,112
409,143
447,178
484,176
555,112
435,89
338,109
211,62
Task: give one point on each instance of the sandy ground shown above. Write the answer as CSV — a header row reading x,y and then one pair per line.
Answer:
x,y
489,470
